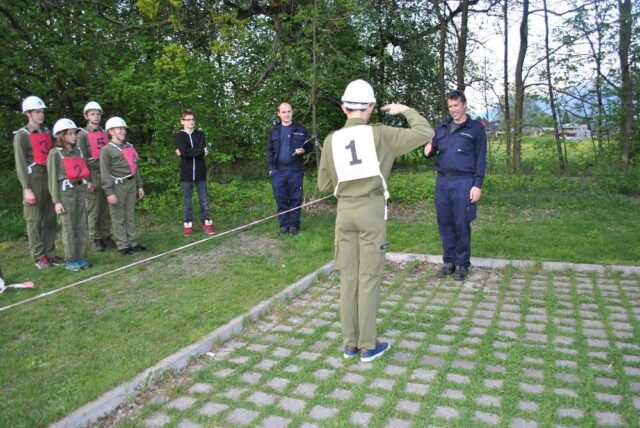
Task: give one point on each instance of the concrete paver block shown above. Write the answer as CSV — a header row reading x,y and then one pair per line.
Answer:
x,y
360,418
278,383
157,421
487,418
322,412
251,378
454,394
445,412
408,406
488,400
306,389
200,388
211,409
523,423
373,401
341,394
417,388
386,384
181,403
275,422
608,419
570,412
261,399
528,406
292,405
243,417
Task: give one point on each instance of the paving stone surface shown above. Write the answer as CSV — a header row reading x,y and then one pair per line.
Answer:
x,y
514,348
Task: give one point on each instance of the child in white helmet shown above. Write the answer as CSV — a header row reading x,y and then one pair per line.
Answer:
x,y
91,140
121,182
68,173
31,145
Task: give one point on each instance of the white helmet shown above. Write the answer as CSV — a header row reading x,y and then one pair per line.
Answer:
x,y
92,105
63,125
358,95
115,122
32,103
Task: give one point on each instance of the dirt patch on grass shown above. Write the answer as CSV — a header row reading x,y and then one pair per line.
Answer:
x,y
207,259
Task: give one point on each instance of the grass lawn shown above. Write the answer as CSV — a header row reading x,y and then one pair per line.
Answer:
x,y
65,350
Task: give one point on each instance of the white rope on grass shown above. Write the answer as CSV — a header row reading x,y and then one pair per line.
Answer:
x,y
148,259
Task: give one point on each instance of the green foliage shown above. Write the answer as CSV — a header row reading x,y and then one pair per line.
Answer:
x,y
412,187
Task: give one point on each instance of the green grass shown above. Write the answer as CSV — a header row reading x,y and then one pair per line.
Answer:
x,y
64,350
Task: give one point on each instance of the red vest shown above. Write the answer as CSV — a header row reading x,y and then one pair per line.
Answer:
x,y
41,145
131,156
97,140
76,168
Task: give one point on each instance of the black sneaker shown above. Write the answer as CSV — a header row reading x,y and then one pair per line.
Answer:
x,y
283,230
447,269
138,248
293,230
108,242
97,245
461,273
56,261
125,251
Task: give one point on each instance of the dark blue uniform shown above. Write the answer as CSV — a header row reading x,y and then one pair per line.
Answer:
x,y
461,165
287,170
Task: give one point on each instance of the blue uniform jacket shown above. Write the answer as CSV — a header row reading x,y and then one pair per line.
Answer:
x,y
298,138
462,153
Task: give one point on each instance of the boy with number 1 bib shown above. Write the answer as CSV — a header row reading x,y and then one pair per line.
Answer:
x,y
355,164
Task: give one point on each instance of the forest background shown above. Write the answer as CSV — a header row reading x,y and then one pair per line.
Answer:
x,y
234,61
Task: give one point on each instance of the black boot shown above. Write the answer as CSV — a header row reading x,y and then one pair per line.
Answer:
x,y
447,269
461,273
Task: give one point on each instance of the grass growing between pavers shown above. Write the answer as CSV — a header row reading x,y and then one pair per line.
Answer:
x,y
507,348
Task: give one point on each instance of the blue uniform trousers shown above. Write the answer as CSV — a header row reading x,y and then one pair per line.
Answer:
x,y
287,190
455,212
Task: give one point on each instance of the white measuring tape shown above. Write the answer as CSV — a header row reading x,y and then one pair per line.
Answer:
x,y
148,259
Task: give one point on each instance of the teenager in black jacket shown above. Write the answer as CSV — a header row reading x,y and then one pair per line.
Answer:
x,y
192,148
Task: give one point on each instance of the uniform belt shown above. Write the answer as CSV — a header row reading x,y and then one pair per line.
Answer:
x,y
454,174
287,164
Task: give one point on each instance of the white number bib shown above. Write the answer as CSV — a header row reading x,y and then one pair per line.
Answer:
x,y
354,153
355,157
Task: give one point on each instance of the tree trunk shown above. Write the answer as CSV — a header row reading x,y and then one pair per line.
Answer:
x,y
552,102
442,45
462,45
314,82
507,106
626,91
519,88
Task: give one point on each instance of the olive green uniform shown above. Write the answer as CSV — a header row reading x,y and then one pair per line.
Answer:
x,y
117,180
72,195
360,230
97,207
39,217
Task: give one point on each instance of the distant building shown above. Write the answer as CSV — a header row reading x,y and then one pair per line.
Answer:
x,y
571,131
